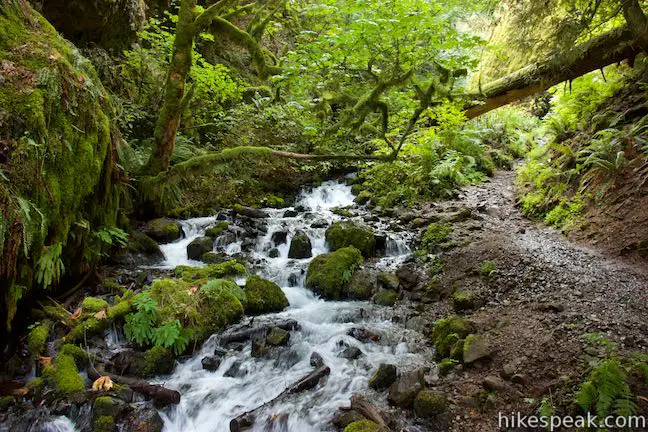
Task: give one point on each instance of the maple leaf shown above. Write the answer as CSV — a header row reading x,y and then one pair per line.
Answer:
x,y
45,361
101,315
102,383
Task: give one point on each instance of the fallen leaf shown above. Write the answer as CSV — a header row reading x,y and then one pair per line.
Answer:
x,y
102,383
22,391
76,314
192,290
101,315
45,361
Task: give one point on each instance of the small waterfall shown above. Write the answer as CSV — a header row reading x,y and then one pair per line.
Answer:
x,y
211,399
53,424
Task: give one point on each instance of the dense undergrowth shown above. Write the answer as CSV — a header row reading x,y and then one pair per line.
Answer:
x,y
595,142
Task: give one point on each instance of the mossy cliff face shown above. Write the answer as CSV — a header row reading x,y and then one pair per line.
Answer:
x,y
57,153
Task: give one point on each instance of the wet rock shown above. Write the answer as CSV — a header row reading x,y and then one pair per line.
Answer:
x,y
163,230
273,253
293,280
463,301
475,348
211,363
460,216
279,237
235,370
263,296
216,230
321,223
316,360
385,298
351,353
362,286
363,334
198,247
363,197
408,277
344,234
258,346
220,352
388,281
107,406
344,417
429,404
495,383
384,377
155,361
143,420
277,337
417,323
300,246
405,389
140,250
290,213
328,274
381,242
249,212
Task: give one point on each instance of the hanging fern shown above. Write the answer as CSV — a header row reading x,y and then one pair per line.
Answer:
x,y
50,268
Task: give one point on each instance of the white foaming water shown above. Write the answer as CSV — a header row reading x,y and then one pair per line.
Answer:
x,y
210,399
55,424
176,252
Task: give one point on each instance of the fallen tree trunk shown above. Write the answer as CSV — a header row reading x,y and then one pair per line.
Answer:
x,y
368,411
612,47
248,418
161,395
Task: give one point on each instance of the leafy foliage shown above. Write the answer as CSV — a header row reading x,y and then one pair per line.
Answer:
x,y
606,391
50,268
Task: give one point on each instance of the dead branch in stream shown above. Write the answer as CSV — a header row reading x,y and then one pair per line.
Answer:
x,y
160,394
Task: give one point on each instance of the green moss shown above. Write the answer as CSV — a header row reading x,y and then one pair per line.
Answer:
x,y
487,267
329,274
35,386
58,121
435,235
85,327
229,268
63,375
362,426
263,296
429,404
448,335
343,211
6,402
462,300
79,355
363,197
104,424
343,234
385,298
37,338
120,309
163,230
446,365
93,304
215,230
138,242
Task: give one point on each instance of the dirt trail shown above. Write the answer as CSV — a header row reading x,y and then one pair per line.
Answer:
x,y
534,309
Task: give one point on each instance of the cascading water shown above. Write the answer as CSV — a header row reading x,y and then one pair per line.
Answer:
x,y
211,399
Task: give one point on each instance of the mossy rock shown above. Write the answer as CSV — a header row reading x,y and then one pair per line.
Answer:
x,y
385,298
435,236
329,274
447,365
140,249
462,301
6,402
87,325
363,197
198,247
388,280
429,404
362,285
79,355
300,246
93,304
216,230
448,335
384,377
104,424
105,412
163,230
63,375
363,426
263,296
344,234
229,268
475,348
202,311
154,361
37,338
57,120
213,257
120,309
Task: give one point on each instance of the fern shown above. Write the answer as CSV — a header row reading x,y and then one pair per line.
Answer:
x,y
49,267
606,391
139,326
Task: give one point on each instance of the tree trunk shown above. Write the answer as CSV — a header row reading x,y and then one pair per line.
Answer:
x,y
175,97
611,47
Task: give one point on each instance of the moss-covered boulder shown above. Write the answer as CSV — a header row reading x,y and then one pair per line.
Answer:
x,y
216,230
429,404
263,296
154,361
448,336
225,269
329,274
63,375
363,426
462,301
59,143
140,249
476,348
383,377
106,410
37,338
198,247
163,230
93,304
363,197
362,286
343,234
300,246
385,298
